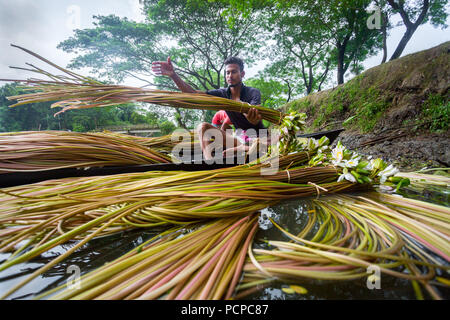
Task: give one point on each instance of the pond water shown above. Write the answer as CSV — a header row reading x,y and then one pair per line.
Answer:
x,y
291,214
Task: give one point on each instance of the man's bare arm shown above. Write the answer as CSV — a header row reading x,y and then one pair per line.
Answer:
x,y
225,126
165,68
182,85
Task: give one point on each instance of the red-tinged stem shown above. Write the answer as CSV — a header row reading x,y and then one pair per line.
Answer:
x,y
424,242
249,291
347,232
203,270
167,278
218,267
313,268
282,263
230,229
122,293
242,257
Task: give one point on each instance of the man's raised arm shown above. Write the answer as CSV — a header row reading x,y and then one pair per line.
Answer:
x,y
165,68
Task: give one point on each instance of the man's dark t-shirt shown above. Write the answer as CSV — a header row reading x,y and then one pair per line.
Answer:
x,y
249,95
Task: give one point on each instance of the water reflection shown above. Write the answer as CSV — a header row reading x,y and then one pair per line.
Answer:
x,y
436,195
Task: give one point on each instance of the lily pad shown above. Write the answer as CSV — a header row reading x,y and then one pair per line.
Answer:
x,y
294,289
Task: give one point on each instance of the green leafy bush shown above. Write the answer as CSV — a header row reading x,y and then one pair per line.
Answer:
x,y
436,110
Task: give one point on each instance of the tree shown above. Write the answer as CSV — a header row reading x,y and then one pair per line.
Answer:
x,y
37,116
302,49
311,26
204,36
273,93
416,13
347,22
193,32
384,11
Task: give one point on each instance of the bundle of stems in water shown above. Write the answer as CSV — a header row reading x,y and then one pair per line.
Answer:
x,y
49,213
47,150
345,236
39,217
73,91
205,263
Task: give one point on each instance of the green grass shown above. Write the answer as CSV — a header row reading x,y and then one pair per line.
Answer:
x,y
368,104
436,112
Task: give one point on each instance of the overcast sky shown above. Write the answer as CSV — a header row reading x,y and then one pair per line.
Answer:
x,y
39,25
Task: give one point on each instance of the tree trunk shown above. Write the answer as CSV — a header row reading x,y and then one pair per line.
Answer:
x,y
224,78
178,119
384,31
340,64
309,86
289,91
324,75
403,42
410,27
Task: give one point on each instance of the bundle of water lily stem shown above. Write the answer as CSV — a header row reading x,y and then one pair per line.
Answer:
x,y
208,249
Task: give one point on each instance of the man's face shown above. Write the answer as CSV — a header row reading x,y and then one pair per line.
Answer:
x,y
233,74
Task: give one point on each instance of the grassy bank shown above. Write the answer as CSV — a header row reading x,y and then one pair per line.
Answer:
x,y
408,92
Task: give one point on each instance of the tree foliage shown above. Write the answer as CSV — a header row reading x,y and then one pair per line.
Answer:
x,y
302,49
194,33
306,29
312,38
336,34
273,93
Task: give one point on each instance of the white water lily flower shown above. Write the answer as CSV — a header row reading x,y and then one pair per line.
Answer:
x,y
388,172
351,163
337,154
386,188
315,142
347,176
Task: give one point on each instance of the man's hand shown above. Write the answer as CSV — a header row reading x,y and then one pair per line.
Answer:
x,y
163,68
253,116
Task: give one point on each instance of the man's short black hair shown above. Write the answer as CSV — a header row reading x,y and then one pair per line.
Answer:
x,y
235,60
